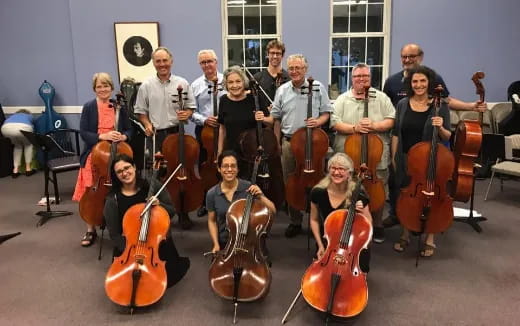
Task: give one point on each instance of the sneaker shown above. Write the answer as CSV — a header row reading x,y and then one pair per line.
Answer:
x,y
293,230
202,211
390,221
379,235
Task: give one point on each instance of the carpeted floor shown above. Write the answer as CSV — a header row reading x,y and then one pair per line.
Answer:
x,y
48,279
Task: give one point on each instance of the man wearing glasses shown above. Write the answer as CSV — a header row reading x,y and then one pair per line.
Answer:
x,y
203,93
289,113
274,76
347,119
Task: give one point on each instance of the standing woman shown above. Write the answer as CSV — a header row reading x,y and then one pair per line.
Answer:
x,y
236,113
335,192
129,189
224,193
414,123
96,124
12,127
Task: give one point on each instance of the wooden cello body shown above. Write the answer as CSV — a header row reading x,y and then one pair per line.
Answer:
x,y
241,273
468,140
335,284
209,139
425,205
186,189
367,150
309,147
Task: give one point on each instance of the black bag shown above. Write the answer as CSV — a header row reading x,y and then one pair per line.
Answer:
x,y
6,151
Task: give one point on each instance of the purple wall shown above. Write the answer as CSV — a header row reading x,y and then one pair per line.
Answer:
x,y
66,41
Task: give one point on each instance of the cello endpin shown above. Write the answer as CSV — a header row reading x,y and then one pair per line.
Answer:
x,y
235,313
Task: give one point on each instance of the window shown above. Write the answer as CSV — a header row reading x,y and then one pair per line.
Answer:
x,y
249,26
359,34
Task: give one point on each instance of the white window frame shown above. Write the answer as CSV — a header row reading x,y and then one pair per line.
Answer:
x,y
387,13
226,36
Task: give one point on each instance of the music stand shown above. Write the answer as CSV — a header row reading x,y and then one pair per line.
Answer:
x,y
46,144
491,148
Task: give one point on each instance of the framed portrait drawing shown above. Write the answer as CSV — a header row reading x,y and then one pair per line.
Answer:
x,y
135,42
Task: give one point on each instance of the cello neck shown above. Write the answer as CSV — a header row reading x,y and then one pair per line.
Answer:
x,y
181,125
480,90
250,197
351,212
308,138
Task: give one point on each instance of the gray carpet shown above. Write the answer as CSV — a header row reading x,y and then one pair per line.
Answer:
x,y
48,279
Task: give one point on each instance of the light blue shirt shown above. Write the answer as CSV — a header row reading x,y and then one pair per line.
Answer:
x,y
204,99
290,105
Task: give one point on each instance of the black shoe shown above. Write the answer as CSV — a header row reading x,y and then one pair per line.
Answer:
x,y
29,173
390,221
185,222
15,175
293,230
379,234
202,211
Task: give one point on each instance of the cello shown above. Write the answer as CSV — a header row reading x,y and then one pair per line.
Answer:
x,y
468,139
91,203
424,205
209,139
335,284
366,150
241,272
186,190
309,159
270,176
138,277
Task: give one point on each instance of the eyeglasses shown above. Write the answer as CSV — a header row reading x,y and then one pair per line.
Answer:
x,y
206,62
228,166
121,171
275,53
360,76
337,168
411,56
295,68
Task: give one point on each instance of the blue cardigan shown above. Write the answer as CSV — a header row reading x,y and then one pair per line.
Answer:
x,y
88,127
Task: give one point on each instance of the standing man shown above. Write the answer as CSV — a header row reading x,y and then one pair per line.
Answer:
x,y
412,56
155,106
348,119
274,76
203,92
289,113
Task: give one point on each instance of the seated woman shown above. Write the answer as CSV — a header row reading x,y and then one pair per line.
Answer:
x,y
21,120
220,197
414,123
129,189
334,192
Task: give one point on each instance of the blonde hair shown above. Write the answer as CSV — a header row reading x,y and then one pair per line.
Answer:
x,y
104,78
344,161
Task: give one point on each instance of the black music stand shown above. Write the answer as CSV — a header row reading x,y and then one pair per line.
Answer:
x,y
491,148
46,144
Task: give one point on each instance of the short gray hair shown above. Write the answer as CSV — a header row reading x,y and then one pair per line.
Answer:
x,y
298,56
361,66
208,51
163,48
235,70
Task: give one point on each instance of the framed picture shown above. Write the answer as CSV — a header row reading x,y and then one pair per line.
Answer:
x,y
135,42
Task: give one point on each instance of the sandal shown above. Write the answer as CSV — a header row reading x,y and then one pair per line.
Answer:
x,y
89,238
428,250
401,245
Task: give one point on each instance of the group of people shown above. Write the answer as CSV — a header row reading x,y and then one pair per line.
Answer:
x,y
401,115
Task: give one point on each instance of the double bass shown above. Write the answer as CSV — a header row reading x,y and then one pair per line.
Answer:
x,y
335,284
366,150
309,146
468,139
138,276
425,205
209,139
186,189
102,154
241,273
270,177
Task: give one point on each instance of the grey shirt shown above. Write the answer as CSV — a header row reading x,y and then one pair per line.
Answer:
x,y
155,98
290,105
217,202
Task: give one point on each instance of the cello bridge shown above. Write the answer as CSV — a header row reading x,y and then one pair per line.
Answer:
x,y
308,171
139,259
339,260
181,177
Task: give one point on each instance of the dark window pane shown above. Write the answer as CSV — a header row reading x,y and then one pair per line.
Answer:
x,y
252,49
377,77
339,81
263,57
374,51
235,53
252,2
340,19
357,50
358,18
252,20
376,1
375,18
269,20
339,52
235,26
